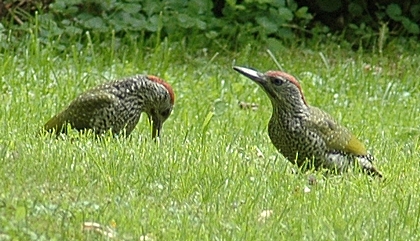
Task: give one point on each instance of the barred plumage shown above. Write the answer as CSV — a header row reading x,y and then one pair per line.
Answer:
x,y
117,106
306,135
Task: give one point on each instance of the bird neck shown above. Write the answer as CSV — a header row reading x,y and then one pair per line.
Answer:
x,y
291,105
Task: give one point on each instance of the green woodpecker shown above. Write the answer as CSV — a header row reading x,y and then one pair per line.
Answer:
x,y
304,134
116,107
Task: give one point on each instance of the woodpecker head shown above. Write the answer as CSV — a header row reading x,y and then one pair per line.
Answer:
x,y
162,107
282,88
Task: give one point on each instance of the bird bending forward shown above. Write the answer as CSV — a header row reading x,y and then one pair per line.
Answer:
x,y
117,106
304,134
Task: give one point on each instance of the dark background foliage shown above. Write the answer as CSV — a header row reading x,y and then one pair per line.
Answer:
x,y
272,21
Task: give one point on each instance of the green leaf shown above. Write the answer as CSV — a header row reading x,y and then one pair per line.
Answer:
x,y
212,34
355,9
153,23
353,26
137,21
274,44
71,30
278,3
292,5
240,7
303,13
285,33
285,14
200,24
260,1
410,26
131,7
59,6
84,17
415,11
95,23
152,7
199,6
72,10
185,21
231,3
268,26
394,12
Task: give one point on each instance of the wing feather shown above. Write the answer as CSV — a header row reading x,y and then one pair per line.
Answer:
x,y
335,136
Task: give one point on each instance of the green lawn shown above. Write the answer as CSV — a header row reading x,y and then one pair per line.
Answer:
x,y
214,172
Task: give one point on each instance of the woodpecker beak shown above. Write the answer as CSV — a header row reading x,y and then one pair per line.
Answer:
x,y
156,127
252,74
258,78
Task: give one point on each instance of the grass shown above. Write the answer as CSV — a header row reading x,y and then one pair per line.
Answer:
x,y
214,171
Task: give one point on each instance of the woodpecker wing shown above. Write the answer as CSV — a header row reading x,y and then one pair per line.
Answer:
x,y
336,137
88,105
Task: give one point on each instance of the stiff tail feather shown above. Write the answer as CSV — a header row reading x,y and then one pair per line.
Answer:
x,y
56,125
366,164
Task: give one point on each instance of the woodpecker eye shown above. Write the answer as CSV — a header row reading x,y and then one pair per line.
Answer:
x,y
277,81
166,112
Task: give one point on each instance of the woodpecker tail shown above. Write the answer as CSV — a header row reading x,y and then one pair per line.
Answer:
x,y
366,163
56,125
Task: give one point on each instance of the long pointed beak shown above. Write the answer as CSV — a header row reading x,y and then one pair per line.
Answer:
x,y
252,74
156,128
